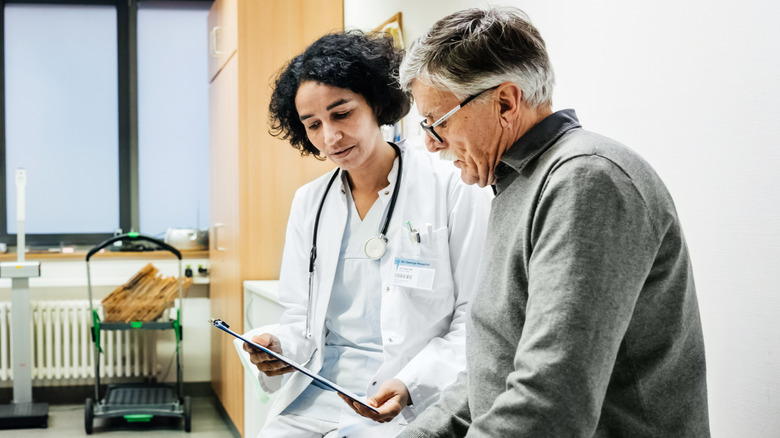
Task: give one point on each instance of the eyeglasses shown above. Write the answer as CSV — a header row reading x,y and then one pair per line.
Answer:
x,y
429,128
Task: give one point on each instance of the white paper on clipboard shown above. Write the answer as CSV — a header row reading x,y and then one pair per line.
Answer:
x,y
318,380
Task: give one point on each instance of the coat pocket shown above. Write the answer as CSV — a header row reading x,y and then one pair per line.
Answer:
x,y
422,269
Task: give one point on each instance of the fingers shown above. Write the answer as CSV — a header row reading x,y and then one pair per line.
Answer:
x,y
273,368
269,341
388,408
389,401
257,356
266,340
365,412
264,362
386,412
269,365
284,369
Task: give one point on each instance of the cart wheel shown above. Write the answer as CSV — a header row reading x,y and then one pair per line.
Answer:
x,y
187,414
89,415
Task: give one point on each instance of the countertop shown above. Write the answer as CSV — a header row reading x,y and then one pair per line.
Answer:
x,y
265,288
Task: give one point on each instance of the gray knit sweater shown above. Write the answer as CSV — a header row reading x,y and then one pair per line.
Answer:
x,y
586,323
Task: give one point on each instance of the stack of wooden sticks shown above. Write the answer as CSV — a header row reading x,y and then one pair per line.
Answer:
x,y
143,298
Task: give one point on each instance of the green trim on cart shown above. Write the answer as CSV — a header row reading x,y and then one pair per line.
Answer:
x,y
136,324
96,329
133,234
177,327
138,418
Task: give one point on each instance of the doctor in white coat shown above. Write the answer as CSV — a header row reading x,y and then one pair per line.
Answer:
x,y
380,255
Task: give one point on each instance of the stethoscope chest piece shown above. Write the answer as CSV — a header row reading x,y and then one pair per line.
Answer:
x,y
376,247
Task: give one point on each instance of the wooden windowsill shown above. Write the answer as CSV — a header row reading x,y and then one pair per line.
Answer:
x,y
112,255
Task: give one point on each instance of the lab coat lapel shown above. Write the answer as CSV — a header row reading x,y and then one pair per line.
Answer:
x,y
400,214
332,223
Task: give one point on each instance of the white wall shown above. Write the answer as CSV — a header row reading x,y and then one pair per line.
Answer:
x,y
695,88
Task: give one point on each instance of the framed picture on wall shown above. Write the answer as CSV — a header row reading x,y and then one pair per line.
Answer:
x,y
393,27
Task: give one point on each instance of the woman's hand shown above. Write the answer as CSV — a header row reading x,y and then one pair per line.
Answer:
x,y
264,362
391,398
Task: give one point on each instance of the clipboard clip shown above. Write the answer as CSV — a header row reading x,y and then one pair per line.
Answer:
x,y
218,323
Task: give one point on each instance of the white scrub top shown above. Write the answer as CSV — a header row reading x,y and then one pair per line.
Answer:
x,y
353,340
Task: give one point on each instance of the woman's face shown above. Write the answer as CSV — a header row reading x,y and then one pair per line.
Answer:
x,y
339,123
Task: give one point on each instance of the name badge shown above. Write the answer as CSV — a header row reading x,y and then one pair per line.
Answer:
x,y
414,273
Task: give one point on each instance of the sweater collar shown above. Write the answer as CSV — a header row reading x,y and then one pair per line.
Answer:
x,y
532,144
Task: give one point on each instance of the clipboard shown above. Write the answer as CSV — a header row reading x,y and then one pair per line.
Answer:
x,y
317,380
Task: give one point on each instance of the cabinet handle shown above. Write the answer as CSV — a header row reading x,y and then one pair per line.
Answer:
x,y
213,42
216,228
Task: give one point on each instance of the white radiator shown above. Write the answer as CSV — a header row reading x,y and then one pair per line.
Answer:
x,y
62,347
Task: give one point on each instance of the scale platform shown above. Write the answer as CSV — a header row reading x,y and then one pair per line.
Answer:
x,y
24,415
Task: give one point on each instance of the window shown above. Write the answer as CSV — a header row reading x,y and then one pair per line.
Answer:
x,y
173,143
94,163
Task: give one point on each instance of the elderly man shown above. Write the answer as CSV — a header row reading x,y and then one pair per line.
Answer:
x,y
586,322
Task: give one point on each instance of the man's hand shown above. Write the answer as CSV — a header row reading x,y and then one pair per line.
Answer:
x,y
391,398
264,362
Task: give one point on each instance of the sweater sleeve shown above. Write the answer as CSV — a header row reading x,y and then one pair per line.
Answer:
x,y
592,245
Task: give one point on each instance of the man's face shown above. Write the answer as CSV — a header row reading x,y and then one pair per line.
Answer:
x,y
470,136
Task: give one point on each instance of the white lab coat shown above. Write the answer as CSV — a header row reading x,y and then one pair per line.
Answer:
x,y
423,331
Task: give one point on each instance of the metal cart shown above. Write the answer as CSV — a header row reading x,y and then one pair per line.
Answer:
x,y
137,402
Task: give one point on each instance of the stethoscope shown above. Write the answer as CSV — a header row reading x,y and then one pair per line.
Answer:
x,y
374,248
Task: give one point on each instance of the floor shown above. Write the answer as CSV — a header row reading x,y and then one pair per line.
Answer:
x,y
68,421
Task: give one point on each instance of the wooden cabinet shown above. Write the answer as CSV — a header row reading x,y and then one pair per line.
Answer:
x,y
224,251
253,175
223,34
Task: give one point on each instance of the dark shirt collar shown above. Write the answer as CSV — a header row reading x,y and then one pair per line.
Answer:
x,y
532,144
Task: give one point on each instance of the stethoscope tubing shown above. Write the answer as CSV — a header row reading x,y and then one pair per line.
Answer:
x,y
382,233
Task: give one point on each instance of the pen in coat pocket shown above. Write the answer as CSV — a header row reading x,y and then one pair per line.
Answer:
x,y
414,234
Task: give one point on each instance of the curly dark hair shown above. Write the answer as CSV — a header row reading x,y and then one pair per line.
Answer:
x,y
366,64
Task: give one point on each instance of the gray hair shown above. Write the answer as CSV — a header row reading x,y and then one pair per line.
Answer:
x,y
475,49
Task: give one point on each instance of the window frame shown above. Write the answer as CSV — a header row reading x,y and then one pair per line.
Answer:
x,y
127,135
